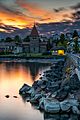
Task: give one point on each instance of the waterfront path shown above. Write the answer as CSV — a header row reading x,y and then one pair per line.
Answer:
x,y
76,60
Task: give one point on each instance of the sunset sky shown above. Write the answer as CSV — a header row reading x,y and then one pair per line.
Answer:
x,y
23,13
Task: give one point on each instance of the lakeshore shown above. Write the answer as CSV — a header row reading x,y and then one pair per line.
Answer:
x,y
56,92
40,59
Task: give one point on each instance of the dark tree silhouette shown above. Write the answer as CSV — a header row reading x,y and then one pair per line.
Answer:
x,y
62,38
26,39
17,38
49,45
75,34
76,46
8,39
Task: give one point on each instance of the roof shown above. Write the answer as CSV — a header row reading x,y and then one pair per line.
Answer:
x,y
58,48
34,32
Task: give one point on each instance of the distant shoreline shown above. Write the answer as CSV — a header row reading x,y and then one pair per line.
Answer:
x,y
33,57
42,59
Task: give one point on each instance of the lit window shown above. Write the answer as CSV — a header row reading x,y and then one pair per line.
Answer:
x,y
60,52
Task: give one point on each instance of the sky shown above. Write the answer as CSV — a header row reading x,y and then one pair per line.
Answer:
x,y
23,13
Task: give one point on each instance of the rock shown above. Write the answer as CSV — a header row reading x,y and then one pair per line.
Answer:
x,y
35,85
64,117
67,88
51,116
53,95
51,106
73,102
24,88
7,96
73,117
44,78
36,98
75,110
32,92
44,91
65,106
61,95
53,87
41,103
73,83
15,96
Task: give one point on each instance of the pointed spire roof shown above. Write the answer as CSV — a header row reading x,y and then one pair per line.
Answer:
x,y
34,32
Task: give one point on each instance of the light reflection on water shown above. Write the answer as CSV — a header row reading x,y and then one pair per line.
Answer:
x,y
12,77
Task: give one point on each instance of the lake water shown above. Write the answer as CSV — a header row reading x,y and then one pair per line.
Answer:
x,y
12,77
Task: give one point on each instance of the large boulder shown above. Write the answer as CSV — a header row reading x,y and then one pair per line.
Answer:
x,y
36,98
73,102
41,103
65,105
53,87
74,117
51,116
51,106
73,83
62,94
75,110
24,89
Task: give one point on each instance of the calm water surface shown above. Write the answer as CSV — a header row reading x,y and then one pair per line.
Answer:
x,y
12,77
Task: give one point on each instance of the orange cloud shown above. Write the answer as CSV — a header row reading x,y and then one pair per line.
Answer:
x,y
42,15
15,20
33,8
29,12
38,14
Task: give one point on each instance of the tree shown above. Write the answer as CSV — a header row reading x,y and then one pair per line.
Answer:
x,y
49,45
62,38
59,44
26,39
75,38
75,34
8,39
63,41
17,38
76,46
2,40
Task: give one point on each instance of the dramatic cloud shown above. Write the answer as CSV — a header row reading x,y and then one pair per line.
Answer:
x,y
8,9
7,28
59,10
76,15
22,13
35,11
76,7
75,12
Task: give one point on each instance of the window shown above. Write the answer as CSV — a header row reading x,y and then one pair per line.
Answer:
x,y
34,49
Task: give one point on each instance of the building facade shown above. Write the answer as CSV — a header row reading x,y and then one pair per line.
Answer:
x,y
35,45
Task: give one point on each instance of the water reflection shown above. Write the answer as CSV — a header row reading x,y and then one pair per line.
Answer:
x,y
12,77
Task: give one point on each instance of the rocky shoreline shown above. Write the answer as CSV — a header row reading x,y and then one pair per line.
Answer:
x,y
56,92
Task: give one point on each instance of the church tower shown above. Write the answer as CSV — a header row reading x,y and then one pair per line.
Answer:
x,y
34,40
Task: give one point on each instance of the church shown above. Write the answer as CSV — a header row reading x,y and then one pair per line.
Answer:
x,y
35,45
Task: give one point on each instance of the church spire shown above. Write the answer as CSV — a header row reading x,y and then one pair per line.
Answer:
x,y
34,32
